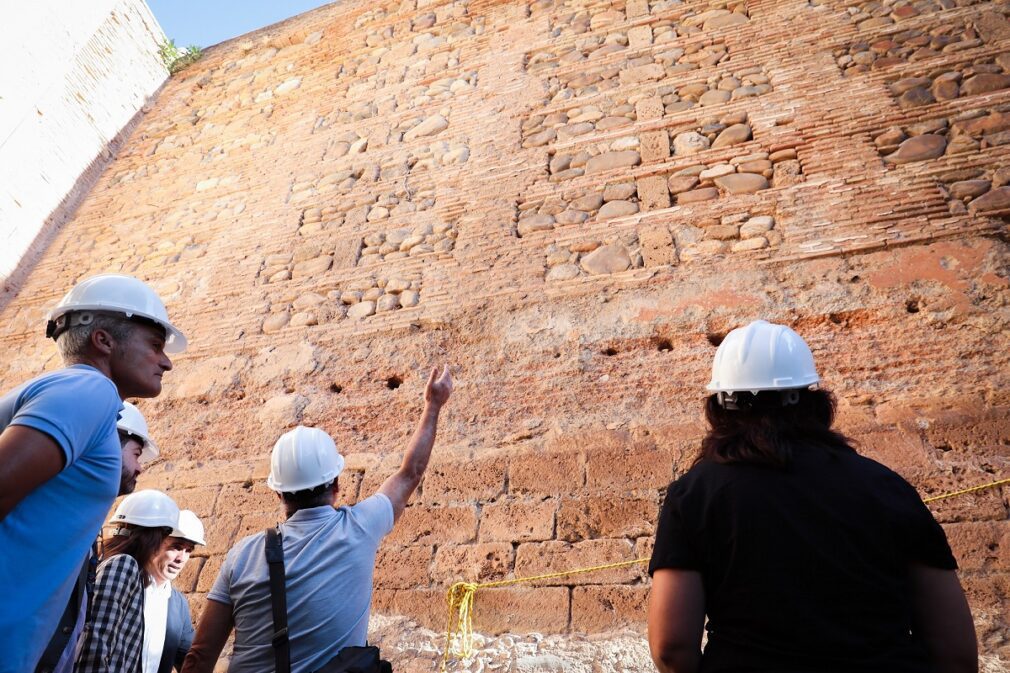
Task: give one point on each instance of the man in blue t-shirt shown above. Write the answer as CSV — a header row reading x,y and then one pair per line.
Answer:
x,y
61,462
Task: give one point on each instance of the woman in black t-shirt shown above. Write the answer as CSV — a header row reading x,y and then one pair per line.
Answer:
x,y
803,555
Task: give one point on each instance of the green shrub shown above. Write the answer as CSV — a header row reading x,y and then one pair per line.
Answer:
x,y
176,59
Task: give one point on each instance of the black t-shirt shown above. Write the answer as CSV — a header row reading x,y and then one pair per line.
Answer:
x,y
804,568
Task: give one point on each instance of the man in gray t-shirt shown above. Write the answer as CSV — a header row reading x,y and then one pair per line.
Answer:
x,y
329,554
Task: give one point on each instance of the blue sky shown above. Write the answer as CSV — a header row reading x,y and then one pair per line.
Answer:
x,y
208,22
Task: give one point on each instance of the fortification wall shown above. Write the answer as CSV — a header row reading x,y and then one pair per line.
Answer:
x,y
572,201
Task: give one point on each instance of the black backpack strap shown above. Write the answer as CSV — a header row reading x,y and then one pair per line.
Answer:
x,y
278,600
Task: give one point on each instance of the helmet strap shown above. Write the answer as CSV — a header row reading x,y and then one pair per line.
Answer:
x,y
54,328
742,400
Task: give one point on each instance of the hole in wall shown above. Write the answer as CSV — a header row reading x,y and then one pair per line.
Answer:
x,y
664,345
609,351
715,339
336,388
836,319
912,306
393,382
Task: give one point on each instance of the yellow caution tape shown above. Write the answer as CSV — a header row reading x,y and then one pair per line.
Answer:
x,y
460,597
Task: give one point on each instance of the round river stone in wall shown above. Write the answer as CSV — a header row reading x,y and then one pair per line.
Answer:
x,y
611,258
919,148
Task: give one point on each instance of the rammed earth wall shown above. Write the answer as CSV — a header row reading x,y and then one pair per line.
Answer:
x,y
572,201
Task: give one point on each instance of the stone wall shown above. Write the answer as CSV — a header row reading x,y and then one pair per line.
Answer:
x,y
74,78
572,201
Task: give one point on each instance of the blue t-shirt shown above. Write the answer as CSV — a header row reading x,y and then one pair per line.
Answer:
x,y
43,541
329,556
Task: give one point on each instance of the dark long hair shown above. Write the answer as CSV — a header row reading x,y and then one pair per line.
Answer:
x,y
142,543
763,431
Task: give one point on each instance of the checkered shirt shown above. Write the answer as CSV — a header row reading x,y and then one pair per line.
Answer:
x,y
114,634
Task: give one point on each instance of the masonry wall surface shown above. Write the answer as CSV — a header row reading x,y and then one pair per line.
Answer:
x,y
571,201
74,76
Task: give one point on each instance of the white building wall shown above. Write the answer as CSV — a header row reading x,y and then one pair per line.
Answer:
x,y
72,76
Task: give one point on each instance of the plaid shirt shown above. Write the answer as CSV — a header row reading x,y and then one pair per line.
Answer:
x,y
114,634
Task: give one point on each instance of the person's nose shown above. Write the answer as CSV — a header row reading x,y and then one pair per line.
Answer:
x,y
165,363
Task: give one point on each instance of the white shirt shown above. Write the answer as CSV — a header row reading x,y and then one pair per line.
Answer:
x,y
155,624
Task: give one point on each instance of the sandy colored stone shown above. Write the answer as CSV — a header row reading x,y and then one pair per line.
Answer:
x,y
969,188
717,171
610,161
361,310
696,195
589,202
681,183
428,127
919,148
732,135
754,243
997,199
688,143
606,259
533,223
276,322
742,183
984,83
617,209
563,272
756,226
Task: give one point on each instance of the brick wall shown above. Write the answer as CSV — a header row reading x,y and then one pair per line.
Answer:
x,y
573,202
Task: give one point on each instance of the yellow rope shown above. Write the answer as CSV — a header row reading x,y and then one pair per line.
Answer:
x,y
460,597
980,487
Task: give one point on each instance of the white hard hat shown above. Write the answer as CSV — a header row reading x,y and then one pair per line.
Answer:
x,y
762,356
115,293
132,422
303,458
148,508
189,528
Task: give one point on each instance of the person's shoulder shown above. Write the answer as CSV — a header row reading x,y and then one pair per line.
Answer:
x,y
869,467
250,544
376,505
119,565
85,384
703,472
377,499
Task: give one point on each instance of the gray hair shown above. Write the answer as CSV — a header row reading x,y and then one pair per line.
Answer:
x,y
73,343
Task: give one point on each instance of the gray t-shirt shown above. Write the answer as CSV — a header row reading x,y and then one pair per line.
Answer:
x,y
329,557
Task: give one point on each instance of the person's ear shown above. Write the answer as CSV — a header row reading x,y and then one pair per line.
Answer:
x,y
102,341
336,487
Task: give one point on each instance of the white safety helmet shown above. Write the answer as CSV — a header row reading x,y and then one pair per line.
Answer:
x,y
132,422
189,528
302,459
114,293
148,508
762,356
